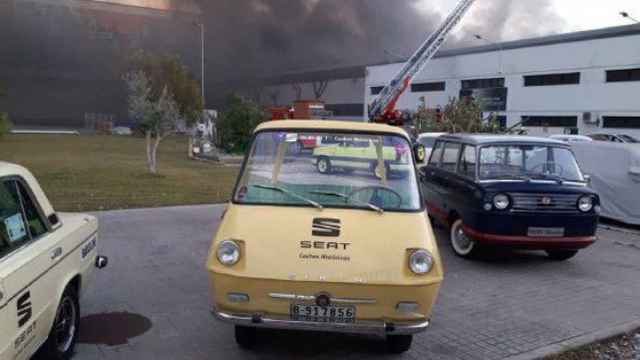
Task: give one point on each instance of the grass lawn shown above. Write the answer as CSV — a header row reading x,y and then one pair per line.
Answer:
x,y
88,173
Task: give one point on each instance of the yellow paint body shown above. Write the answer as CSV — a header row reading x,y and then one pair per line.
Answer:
x,y
374,264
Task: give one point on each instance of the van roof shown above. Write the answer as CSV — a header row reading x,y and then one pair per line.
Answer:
x,y
481,139
331,125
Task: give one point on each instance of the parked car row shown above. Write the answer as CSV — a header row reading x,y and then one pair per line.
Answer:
x,y
338,242
335,240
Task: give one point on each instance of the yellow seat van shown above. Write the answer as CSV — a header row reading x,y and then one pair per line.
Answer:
x,y
346,250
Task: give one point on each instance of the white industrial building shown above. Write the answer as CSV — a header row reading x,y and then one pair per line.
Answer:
x,y
584,82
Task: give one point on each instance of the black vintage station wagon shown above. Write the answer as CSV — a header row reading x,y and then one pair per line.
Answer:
x,y
513,191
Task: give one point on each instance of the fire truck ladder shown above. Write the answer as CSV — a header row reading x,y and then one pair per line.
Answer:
x,y
383,107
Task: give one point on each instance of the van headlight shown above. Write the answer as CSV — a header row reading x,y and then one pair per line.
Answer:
x,y
501,201
228,252
421,262
585,203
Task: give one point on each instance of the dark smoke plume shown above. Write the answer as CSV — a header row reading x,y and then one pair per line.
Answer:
x,y
249,38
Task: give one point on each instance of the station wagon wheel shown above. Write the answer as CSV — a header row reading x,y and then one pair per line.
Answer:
x,y
324,165
461,243
62,338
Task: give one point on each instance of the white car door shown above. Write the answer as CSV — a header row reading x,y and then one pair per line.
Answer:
x,y
25,260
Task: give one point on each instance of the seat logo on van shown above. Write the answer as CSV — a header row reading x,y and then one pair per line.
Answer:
x,y
24,309
325,227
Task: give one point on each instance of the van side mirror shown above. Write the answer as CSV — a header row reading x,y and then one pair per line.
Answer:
x,y
587,178
419,152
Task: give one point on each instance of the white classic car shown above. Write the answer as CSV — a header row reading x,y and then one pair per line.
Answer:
x,y
46,261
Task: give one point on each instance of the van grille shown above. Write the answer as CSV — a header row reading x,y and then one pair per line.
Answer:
x,y
555,203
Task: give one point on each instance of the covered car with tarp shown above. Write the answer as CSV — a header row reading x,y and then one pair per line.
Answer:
x,y
615,174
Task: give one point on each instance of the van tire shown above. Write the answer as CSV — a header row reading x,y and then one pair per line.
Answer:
x,y
323,165
68,309
246,336
561,255
462,245
397,344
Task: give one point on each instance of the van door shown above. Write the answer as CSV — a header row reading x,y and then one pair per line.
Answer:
x,y
25,260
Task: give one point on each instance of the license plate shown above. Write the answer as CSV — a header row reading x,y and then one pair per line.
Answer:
x,y
545,232
304,312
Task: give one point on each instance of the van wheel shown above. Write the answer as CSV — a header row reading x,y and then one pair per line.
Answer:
x,y
324,165
561,255
462,244
64,334
246,337
397,344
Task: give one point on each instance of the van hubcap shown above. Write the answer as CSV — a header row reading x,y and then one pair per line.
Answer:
x,y
65,326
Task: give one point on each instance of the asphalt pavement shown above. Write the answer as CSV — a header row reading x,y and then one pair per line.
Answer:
x,y
152,301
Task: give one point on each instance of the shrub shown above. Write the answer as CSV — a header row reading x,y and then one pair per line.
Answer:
x,y
235,127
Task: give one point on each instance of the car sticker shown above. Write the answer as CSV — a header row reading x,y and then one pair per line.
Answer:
x,y
15,227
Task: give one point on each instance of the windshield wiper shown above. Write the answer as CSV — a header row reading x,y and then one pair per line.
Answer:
x,y
512,177
346,197
287,192
556,178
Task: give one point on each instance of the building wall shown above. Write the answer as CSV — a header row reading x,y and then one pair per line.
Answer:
x,y
62,61
591,58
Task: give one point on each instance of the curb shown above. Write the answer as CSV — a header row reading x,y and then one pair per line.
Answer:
x,y
176,207
578,341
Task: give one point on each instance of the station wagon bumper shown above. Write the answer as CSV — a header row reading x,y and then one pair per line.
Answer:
x,y
511,229
372,327
528,242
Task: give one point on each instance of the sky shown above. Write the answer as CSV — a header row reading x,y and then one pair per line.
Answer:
x,y
571,15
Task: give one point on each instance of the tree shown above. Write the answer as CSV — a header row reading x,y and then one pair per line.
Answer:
x,y
459,115
297,88
319,88
162,94
237,122
167,71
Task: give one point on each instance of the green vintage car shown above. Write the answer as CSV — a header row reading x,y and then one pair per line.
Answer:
x,y
364,153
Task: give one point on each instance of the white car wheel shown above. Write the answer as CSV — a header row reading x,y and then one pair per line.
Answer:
x,y
324,165
462,244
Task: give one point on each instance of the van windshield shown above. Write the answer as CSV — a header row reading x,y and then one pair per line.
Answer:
x,y
524,162
321,169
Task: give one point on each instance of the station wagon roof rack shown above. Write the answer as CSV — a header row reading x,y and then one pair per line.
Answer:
x,y
480,139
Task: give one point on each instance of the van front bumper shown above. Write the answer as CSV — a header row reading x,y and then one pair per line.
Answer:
x,y
371,327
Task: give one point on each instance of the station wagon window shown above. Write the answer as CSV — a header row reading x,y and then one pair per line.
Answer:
x,y
467,165
436,154
37,226
525,162
450,156
19,218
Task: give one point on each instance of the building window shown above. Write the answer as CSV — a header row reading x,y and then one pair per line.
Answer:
x,y
621,122
550,121
428,87
483,83
623,75
552,79
376,90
